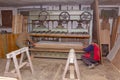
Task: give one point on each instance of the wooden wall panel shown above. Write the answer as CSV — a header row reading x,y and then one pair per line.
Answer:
x,y
8,44
1,47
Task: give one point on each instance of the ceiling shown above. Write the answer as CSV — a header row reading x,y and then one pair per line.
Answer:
x,y
7,3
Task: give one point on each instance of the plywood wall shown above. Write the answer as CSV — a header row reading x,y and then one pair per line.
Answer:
x,y
7,44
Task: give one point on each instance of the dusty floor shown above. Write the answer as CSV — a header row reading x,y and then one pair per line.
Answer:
x,y
52,69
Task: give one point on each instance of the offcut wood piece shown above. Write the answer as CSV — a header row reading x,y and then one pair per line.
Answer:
x,y
7,78
71,67
62,45
53,50
13,55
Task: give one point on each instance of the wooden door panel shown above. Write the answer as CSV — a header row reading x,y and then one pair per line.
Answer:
x,y
6,18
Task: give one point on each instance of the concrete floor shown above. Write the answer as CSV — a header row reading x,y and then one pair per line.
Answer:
x,y
52,69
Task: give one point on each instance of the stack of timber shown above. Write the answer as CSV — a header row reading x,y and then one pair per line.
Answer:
x,y
19,24
7,42
57,46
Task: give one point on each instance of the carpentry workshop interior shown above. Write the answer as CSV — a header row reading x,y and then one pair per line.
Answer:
x,y
59,40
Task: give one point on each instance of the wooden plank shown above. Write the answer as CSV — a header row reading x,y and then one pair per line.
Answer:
x,y
61,45
7,78
53,50
114,50
116,60
115,26
60,35
4,38
1,47
8,43
17,23
96,21
57,47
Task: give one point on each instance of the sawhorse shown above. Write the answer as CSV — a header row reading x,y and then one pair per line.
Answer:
x,y
72,66
13,55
